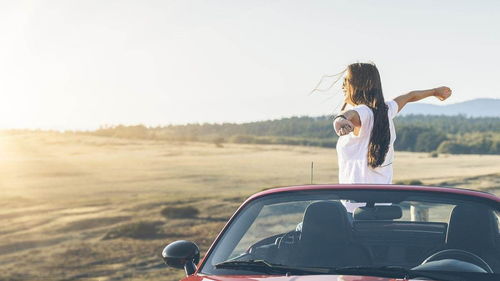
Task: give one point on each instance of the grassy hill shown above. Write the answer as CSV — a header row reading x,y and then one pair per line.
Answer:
x,y
419,133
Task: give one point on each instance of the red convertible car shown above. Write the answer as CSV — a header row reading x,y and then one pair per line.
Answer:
x,y
352,232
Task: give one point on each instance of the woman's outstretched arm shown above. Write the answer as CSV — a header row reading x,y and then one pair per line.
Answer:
x,y
441,93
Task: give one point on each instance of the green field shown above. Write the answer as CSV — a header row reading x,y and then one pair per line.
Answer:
x,y
66,199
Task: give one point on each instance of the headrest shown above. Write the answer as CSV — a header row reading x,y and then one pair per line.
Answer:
x,y
326,222
383,212
472,228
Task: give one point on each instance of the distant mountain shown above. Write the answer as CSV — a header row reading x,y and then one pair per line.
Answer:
x,y
472,108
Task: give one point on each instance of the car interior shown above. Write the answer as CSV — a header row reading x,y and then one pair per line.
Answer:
x,y
373,236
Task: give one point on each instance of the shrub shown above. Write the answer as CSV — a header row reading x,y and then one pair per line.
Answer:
x,y
453,148
243,139
180,212
218,141
328,143
434,154
262,140
135,230
410,182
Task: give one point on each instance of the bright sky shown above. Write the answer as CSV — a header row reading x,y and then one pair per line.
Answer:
x,y
81,64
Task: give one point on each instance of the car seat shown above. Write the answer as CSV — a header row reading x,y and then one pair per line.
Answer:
x,y
474,228
326,238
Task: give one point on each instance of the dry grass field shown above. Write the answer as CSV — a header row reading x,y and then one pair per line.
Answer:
x,y
89,208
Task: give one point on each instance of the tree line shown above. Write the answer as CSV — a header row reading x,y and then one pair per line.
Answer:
x,y
419,133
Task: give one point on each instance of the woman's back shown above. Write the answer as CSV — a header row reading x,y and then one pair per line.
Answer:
x,y
366,145
352,150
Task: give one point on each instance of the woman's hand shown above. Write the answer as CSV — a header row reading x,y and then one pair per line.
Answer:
x,y
442,93
342,126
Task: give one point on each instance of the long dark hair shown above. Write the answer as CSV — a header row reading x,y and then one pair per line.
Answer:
x,y
365,88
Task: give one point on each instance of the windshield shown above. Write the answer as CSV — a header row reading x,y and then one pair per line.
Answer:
x,y
327,229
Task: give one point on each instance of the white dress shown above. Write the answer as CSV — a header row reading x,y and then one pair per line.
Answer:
x,y
352,153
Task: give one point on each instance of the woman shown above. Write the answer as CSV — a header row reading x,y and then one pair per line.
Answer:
x,y
365,147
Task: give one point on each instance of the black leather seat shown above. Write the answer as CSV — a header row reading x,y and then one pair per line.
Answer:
x,y
474,228
326,238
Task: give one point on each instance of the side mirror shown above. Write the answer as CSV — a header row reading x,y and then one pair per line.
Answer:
x,y
182,254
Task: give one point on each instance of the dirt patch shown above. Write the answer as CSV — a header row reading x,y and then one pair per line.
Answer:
x,y
236,199
174,203
93,223
26,245
180,212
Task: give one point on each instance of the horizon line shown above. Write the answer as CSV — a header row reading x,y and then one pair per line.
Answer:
x,y
47,130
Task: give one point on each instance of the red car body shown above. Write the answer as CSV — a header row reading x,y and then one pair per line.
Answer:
x,y
199,277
